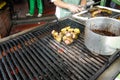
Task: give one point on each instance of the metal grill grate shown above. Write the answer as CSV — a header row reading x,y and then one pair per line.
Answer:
x,y
37,56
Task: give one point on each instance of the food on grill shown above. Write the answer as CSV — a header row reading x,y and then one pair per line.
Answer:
x,y
104,33
67,40
64,30
57,36
100,12
67,34
60,50
118,17
76,33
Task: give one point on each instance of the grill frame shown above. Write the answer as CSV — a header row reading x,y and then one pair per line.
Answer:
x,y
56,65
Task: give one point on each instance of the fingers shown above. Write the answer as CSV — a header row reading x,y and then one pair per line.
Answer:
x,y
78,10
75,9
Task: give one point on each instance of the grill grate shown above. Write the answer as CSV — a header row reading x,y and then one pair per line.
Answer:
x,y
37,56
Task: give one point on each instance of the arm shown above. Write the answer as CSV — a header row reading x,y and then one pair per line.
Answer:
x,y
61,4
71,7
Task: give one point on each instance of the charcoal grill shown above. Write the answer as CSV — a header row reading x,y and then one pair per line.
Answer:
x,y
35,55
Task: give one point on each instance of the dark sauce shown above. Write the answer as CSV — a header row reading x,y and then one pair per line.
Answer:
x,y
104,33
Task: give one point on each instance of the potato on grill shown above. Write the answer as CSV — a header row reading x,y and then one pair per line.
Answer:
x,y
57,36
64,30
67,40
67,34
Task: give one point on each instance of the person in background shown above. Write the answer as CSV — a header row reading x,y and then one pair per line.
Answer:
x,y
115,5
108,3
32,8
67,7
111,3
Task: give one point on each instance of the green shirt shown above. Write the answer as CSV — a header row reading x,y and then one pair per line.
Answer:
x,y
65,12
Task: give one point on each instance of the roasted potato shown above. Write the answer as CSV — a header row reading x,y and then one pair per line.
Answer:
x,y
67,34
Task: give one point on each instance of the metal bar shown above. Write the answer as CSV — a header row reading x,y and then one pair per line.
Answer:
x,y
30,55
10,62
5,64
2,71
17,64
77,49
52,65
27,62
52,57
98,62
76,66
61,62
79,60
72,59
19,58
42,60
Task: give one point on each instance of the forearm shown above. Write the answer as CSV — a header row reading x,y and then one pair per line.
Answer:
x,y
61,4
71,7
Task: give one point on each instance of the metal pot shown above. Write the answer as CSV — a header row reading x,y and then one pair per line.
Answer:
x,y
99,43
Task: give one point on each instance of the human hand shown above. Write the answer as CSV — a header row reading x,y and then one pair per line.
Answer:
x,y
75,8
